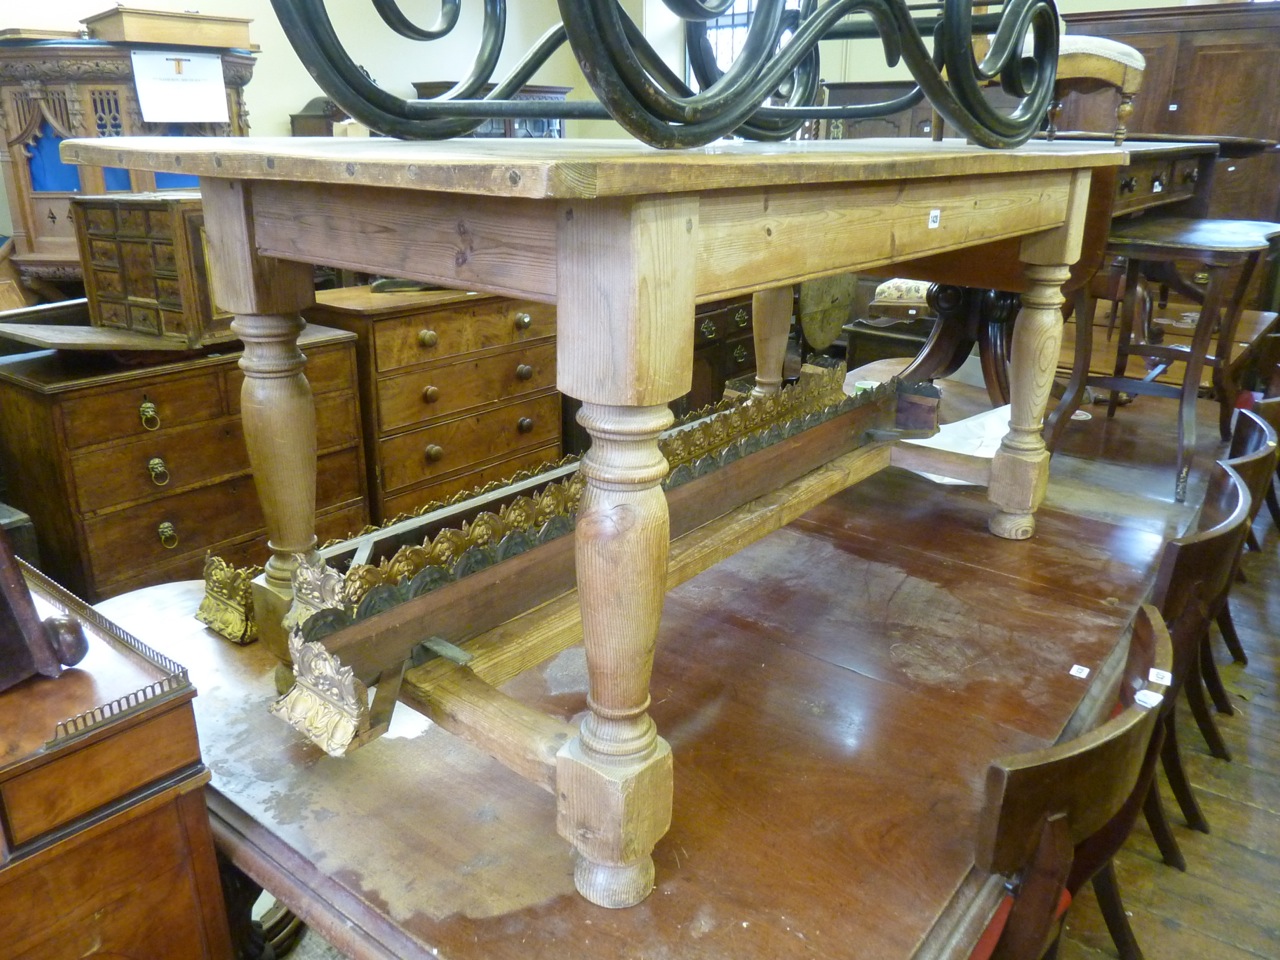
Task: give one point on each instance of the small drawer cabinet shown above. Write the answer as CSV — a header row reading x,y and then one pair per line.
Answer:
x,y
457,389
132,474
143,257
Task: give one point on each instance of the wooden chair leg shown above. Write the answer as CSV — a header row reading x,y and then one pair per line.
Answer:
x,y
1227,627
1108,892
1128,309
1194,688
1213,680
1171,760
1251,541
1166,842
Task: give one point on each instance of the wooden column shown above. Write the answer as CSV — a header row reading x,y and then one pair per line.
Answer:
x,y
770,326
625,348
1020,469
277,411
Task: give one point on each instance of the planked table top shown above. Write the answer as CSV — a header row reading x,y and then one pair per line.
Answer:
x,y
577,169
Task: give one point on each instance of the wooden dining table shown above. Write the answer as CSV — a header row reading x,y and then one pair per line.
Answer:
x,y
625,240
833,696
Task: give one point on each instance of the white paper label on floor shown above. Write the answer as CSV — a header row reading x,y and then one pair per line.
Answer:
x,y
1162,677
1148,699
935,219
1079,671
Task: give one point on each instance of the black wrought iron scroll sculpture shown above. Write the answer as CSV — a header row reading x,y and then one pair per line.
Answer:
x,y
767,93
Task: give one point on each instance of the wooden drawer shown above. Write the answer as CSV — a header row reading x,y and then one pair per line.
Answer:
x,y
53,794
451,388
1143,184
407,502
468,440
125,541
435,335
336,523
115,415
720,321
170,461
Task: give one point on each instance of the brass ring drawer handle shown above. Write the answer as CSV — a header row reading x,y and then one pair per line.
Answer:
x,y
158,470
525,424
523,321
428,338
1128,184
149,416
741,317
167,534
708,328
1192,175
430,394
524,372
434,452
740,353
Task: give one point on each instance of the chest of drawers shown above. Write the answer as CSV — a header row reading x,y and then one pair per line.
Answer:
x,y
456,389
132,474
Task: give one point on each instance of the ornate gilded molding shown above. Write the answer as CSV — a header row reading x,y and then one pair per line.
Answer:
x,y
326,704
712,438
227,607
316,587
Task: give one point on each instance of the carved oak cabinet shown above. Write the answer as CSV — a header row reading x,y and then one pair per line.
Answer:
x,y
53,90
132,473
457,389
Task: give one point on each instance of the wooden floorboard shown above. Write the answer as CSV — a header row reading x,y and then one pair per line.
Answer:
x,y
1227,904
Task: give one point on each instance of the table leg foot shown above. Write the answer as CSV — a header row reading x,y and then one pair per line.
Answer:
x,y
1012,526
613,813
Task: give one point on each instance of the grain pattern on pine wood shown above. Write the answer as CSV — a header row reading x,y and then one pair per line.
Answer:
x,y
575,169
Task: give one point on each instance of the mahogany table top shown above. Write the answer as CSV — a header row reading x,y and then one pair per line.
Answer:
x,y
832,694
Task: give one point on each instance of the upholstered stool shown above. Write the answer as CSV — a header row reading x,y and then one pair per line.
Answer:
x,y
1153,245
1089,64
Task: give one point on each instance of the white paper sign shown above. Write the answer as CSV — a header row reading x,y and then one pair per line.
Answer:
x,y
178,86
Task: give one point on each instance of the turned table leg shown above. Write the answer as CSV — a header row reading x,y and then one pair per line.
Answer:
x,y
625,349
1020,468
614,779
277,412
771,325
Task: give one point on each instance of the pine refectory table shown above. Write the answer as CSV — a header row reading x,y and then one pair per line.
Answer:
x,y
624,240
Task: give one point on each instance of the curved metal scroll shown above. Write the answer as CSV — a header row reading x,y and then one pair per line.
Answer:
x,y
768,92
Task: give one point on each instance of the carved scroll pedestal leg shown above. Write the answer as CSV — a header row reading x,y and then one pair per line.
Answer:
x,y
1020,470
770,325
614,780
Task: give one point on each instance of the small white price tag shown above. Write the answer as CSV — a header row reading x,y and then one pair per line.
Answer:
x,y
1173,107
1079,671
1148,699
1162,677
935,219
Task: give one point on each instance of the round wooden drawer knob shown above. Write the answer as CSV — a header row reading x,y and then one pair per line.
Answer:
x,y
430,394
434,452
524,372
428,338
523,321
525,424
